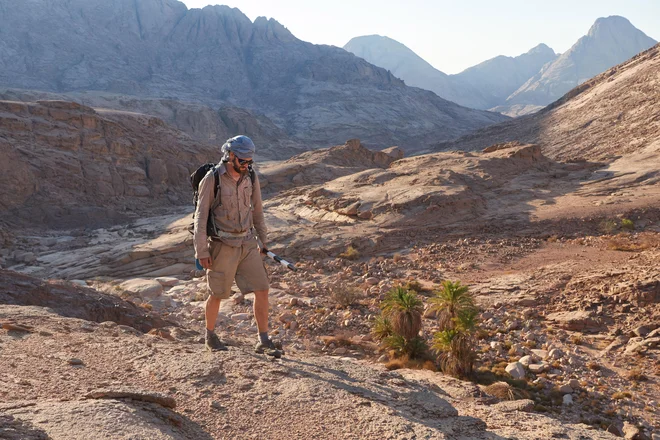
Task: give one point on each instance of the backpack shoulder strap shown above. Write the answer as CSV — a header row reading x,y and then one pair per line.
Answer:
x,y
217,194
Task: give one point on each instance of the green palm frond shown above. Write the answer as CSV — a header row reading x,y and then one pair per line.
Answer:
x,y
442,340
466,320
382,327
404,310
400,299
451,300
414,348
452,296
395,342
456,352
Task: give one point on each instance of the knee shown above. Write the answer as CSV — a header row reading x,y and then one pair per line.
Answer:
x,y
212,301
261,294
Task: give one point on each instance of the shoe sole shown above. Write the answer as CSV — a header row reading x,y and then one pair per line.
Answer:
x,y
277,355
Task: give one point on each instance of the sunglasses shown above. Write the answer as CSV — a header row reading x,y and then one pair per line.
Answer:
x,y
244,161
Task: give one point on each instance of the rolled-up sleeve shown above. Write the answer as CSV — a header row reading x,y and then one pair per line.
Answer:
x,y
258,212
201,216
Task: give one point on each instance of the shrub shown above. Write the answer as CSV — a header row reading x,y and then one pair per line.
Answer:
x,y
414,286
350,254
414,348
344,295
456,351
404,310
449,301
637,375
382,327
457,319
621,395
608,226
399,324
501,390
627,224
577,339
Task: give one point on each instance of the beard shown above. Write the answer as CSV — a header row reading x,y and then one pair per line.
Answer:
x,y
238,168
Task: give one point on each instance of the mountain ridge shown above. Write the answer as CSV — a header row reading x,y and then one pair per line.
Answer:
x,y
479,86
216,56
610,41
525,83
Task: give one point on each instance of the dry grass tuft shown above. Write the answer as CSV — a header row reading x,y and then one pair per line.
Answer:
x,y
340,340
608,226
630,243
620,395
501,390
146,306
637,375
413,285
593,366
413,364
350,254
344,295
577,339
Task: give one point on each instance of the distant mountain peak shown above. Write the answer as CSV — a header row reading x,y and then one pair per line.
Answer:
x,y
610,41
611,24
541,48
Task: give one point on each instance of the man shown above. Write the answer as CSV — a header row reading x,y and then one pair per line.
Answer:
x,y
232,252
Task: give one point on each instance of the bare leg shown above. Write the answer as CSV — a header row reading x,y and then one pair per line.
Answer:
x,y
212,308
260,310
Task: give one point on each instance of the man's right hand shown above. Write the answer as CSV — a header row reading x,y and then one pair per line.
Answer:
x,y
206,262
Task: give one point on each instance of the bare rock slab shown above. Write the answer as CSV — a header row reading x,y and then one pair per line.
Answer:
x,y
125,393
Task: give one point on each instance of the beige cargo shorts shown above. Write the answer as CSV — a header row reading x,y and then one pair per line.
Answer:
x,y
243,264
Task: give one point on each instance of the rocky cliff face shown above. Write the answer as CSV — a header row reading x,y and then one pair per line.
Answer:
x,y
316,95
610,41
68,165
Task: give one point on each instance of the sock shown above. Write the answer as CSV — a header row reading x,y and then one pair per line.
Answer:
x,y
208,333
263,337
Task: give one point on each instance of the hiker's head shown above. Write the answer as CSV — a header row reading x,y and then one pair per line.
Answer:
x,y
239,151
241,146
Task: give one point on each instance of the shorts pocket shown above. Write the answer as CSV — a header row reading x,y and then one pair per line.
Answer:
x,y
217,284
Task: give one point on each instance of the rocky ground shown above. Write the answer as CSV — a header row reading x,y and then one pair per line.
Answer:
x,y
573,317
569,323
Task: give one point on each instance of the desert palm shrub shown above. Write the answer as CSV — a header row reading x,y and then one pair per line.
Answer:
x,y
404,310
457,318
382,327
399,324
414,348
449,301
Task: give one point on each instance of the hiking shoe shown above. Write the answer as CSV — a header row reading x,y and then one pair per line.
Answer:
x,y
268,348
213,343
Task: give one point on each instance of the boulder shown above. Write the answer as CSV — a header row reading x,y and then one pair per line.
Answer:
x,y
576,320
144,288
516,370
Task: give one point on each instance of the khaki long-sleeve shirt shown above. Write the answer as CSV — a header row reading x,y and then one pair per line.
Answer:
x,y
240,209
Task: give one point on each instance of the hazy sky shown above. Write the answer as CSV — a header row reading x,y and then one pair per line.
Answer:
x,y
452,35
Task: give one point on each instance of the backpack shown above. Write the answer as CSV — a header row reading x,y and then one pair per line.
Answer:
x,y
195,178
